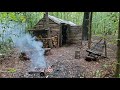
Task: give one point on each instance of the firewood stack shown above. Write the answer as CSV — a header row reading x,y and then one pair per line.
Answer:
x,y
45,43
23,56
55,41
45,39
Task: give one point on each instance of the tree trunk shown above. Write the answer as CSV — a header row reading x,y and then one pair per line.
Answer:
x,y
90,32
118,51
85,26
64,16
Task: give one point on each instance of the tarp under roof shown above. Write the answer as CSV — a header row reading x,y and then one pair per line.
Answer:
x,y
59,21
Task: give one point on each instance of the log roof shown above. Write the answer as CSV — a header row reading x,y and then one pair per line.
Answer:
x,y
59,21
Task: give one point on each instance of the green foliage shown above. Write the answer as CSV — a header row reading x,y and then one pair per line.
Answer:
x,y
105,65
12,16
5,46
98,73
11,70
105,22
30,18
102,22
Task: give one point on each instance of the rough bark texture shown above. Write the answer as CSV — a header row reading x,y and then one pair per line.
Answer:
x,y
118,52
90,27
85,26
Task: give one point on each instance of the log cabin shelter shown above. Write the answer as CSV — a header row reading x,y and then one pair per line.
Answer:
x,y
60,31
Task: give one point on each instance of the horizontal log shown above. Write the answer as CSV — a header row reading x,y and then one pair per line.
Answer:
x,y
51,26
39,25
45,38
95,52
46,49
37,29
75,36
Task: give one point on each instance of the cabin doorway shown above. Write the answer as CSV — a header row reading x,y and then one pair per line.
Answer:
x,y
64,34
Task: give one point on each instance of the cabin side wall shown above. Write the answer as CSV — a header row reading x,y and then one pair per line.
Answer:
x,y
75,34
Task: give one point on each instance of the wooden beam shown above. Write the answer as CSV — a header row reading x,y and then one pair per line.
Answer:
x,y
60,36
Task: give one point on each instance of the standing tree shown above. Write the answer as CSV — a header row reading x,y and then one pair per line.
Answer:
x,y
85,26
118,51
90,32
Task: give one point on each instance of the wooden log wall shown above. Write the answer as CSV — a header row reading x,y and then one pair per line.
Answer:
x,y
75,34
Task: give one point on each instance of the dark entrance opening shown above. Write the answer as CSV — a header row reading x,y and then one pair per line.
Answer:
x,y
64,34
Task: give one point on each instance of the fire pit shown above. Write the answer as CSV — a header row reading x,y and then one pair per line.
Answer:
x,y
43,72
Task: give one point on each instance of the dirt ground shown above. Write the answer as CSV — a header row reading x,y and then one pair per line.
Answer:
x,y
63,63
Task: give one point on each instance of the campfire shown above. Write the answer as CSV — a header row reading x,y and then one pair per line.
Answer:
x,y
43,72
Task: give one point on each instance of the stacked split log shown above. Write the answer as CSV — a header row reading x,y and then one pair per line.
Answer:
x,y
55,41
46,41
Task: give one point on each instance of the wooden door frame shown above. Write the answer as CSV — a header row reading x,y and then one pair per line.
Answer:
x,y
60,33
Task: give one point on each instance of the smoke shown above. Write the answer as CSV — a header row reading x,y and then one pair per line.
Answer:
x,y
24,42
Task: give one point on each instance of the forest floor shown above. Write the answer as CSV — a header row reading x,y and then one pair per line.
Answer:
x,y
63,63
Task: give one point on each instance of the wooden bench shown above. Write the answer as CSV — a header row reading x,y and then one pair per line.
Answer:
x,y
47,51
95,52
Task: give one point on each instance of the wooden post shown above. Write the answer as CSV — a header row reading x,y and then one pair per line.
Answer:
x,y
68,33
105,47
60,36
105,35
49,36
90,32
